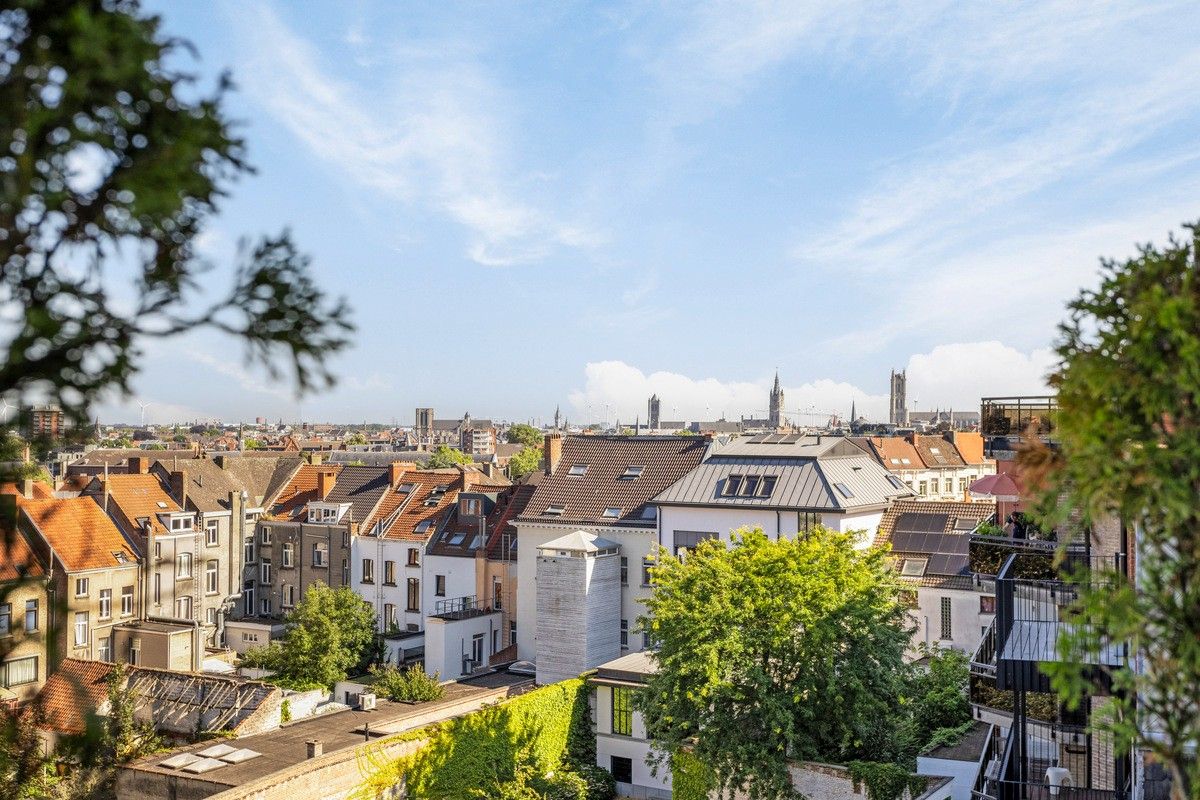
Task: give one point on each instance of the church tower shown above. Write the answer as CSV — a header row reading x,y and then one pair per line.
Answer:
x,y
776,416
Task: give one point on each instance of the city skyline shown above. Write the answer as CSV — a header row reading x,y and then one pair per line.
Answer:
x,y
552,178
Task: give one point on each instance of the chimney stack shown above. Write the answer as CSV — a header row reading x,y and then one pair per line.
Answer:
x,y
395,470
325,481
554,443
179,487
139,465
27,488
220,461
315,748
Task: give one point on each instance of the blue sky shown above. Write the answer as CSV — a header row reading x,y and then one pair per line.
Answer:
x,y
532,205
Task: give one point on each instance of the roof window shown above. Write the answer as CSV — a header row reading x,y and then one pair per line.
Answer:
x,y
935,451
733,485
768,486
423,526
844,490
895,482
964,524
578,470
632,472
913,567
750,485
905,461
457,539
161,504
650,512
554,511
611,512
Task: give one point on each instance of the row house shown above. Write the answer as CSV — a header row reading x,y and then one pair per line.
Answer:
x,y
24,604
935,467
583,544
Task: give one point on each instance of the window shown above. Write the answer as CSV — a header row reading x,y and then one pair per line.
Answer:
x,y
921,488
248,599
158,588
106,604
624,571
733,485
554,511
320,554
81,628
611,513
439,585
265,571
182,523
962,485
158,549
621,768
477,649
210,577
647,642
345,572
135,652
249,637
31,616
647,563
248,552
807,520
264,606
289,555
650,512
210,616
289,595
844,490
497,594
265,534
687,540
211,537
389,616
414,595
105,651
622,711
20,671
183,566
512,632
895,482
913,567
389,573
768,486
423,527
81,587
632,472
5,619
624,633
750,485
368,571
987,604
414,557
471,506
126,601
183,607
578,470
947,632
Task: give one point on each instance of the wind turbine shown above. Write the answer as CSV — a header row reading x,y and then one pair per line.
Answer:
x,y
6,407
144,407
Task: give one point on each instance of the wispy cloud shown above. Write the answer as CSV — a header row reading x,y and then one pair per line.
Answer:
x,y
432,135
242,377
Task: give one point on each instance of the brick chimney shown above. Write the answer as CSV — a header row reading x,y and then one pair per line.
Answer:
x,y
179,487
554,443
314,457
395,470
220,461
27,488
314,748
139,465
325,481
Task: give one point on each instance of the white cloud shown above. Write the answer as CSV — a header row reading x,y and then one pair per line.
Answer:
x,y
949,376
433,136
244,378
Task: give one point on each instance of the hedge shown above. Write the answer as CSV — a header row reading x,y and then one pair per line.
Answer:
x,y
478,752
691,779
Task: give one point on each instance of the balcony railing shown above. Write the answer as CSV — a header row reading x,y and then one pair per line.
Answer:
x,y
461,608
1042,762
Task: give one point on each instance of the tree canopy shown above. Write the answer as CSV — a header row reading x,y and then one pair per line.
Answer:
x,y
1128,380
329,633
524,462
112,162
770,650
444,456
527,435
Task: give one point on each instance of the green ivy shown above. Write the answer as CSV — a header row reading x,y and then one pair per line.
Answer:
x,y
543,731
885,781
691,779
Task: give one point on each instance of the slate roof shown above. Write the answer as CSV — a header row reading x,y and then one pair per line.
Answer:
x,y
502,517
75,687
208,486
79,531
263,475
811,473
118,456
507,503
584,498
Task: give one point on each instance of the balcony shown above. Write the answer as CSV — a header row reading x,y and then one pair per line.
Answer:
x,y
461,608
1032,614
1038,761
995,705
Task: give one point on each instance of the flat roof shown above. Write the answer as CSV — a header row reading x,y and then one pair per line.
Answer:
x,y
632,667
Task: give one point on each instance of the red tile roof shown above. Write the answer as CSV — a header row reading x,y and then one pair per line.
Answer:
x,y
139,496
41,491
74,689
302,488
412,510
17,560
936,452
80,533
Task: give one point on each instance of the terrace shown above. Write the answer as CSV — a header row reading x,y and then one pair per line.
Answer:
x,y
457,608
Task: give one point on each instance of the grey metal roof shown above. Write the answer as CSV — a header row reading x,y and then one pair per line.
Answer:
x,y
807,472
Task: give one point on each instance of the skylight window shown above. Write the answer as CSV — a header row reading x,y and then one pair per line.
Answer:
x,y
406,488
423,526
935,451
895,482
733,485
554,511
632,472
905,461
964,524
894,460
457,539
844,490
913,567
768,486
578,470
161,504
612,513
650,512
750,486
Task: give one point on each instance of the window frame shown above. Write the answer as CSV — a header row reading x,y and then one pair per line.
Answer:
x,y
622,711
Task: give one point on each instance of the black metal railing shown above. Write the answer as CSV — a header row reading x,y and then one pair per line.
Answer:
x,y
461,607
983,660
1051,762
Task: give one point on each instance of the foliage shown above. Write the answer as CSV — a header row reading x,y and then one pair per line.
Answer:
x,y
989,529
685,432
527,435
328,633
285,712
1129,431
444,456
127,739
773,650
691,778
108,148
936,707
1038,705
356,438
885,781
518,749
21,761
251,444
411,685
12,447
525,462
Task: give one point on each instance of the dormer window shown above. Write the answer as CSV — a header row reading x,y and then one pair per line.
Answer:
x,y
733,485
632,472
471,506
578,470
554,511
750,485
181,523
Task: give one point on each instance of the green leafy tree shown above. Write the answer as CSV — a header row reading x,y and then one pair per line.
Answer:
x,y
771,650
411,685
1128,424
444,456
936,708
329,633
104,154
524,434
524,463
356,438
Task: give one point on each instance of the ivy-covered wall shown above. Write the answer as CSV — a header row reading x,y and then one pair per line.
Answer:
x,y
479,751
691,778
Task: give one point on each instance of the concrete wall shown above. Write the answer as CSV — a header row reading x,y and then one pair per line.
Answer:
x,y
773,523
24,644
448,641
460,581
962,774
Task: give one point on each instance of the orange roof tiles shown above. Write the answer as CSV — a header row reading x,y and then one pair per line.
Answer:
x,y
937,452
403,525
300,490
80,533
895,452
17,560
41,491
75,688
140,496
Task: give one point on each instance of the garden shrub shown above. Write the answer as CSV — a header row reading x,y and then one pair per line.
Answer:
x,y
412,685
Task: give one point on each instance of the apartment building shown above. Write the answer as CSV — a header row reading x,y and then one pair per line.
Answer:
x,y
94,579
940,468
601,486
24,606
